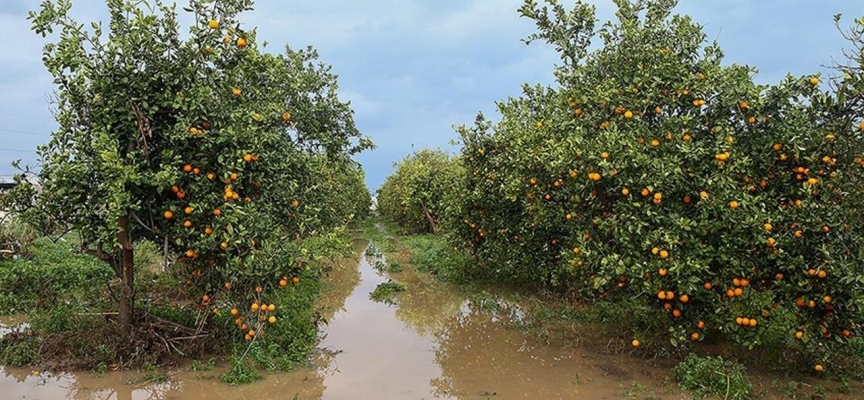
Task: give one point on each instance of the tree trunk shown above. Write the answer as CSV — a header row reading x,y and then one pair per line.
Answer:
x,y
127,276
429,217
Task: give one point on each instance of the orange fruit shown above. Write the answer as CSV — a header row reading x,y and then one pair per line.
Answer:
x,y
188,210
799,335
241,43
272,319
736,282
779,276
707,285
753,322
247,158
684,298
628,114
676,313
655,142
768,227
811,272
187,168
187,223
254,307
217,212
694,336
271,308
208,230
827,299
168,214
258,289
210,176
730,293
213,24
739,292
818,368
700,324
228,285
251,333
733,204
664,254
814,81
822,274
295,280
662,272
635,343
235,311
223,245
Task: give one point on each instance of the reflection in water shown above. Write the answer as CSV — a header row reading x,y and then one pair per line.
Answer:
x,y
432,344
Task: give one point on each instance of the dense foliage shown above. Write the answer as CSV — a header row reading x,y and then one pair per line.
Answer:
x,y
228,157
414,195
655,171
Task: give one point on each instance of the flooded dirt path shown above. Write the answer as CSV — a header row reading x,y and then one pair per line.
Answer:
x,y
430,342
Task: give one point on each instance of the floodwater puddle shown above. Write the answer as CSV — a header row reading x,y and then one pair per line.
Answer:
x,y
430,343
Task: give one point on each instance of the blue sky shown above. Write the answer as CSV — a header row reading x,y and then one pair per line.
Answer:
x,y
414,68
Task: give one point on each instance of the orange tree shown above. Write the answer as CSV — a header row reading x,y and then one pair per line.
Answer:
x,y
414,195
203,145
653,175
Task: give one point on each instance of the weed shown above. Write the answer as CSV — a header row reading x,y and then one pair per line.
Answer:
x,y
384,292
713,376
17,354
240,373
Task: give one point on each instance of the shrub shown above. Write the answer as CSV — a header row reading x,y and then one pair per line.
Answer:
x,y
655,171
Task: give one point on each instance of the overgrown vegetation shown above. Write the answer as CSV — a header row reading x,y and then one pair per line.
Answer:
x,y
197,184
714,377
660,183
385,292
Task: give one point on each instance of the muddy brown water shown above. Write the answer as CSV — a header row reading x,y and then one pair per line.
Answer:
x,y
432,344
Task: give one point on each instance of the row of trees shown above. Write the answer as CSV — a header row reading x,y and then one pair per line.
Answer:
x,y
655,171
223,154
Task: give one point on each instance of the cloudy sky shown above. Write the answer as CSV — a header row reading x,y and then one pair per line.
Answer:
x,y
414,68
